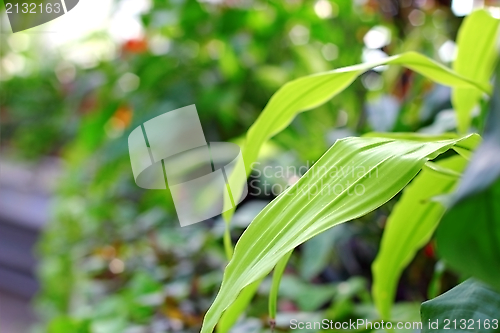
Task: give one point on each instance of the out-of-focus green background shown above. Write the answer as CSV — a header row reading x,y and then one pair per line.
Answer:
x,y
110,256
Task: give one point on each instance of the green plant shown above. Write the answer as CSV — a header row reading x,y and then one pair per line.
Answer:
x,y
113,258
299,213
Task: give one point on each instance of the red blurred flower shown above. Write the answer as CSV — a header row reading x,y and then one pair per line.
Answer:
x,y
429,250
123,116
135,46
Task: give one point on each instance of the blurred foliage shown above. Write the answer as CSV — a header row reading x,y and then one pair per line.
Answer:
x,y
113,257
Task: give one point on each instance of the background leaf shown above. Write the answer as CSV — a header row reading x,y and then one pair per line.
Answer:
x,y
316,252
469,301
409,227
277,274
311,91
484,168
476,57
468,238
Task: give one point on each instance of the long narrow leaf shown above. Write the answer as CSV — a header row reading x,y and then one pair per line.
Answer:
x,y
352,178
476,251
476,56
311,91
234,311
273,294
408,228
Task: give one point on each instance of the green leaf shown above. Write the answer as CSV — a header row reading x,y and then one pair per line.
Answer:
x,y
273,294
409,227
63,324
354,177
484,168
232,314
470,303
476,56
311,91
412,136
463,151
442,170
435,284
468,237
